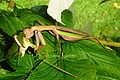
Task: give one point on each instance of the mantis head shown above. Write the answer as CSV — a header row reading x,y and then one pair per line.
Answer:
x,y
28,33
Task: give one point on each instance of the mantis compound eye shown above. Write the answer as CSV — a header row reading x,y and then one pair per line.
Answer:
x,y
28,33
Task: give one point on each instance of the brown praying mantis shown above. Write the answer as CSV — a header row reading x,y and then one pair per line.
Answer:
x,y
66,33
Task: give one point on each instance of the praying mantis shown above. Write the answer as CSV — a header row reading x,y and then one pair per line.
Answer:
x,y
66,33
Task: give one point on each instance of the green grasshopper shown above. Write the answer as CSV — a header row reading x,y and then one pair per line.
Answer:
x,y
66,33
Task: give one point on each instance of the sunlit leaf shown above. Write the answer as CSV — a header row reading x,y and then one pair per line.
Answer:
x,y
104,17
3,72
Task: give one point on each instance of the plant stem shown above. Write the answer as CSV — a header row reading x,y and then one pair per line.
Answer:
x,y
115,44
59,69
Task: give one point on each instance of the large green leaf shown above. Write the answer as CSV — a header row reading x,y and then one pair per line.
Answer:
x,y
78,62
22,67
17,62
81,61
71,69
106,62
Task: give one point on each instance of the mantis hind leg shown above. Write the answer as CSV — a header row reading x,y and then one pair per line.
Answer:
x,y
59,43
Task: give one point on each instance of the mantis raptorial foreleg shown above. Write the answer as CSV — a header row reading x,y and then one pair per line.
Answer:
x,y
38,37
37,40
26,43
59,43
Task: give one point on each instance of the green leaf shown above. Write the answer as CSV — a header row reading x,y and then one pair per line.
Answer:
x,y
25,63
3,72
30,16
12,55
22,65
42,11
69,66
13,76
10,24
70,69
51,43
67,18
107,64
2,42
